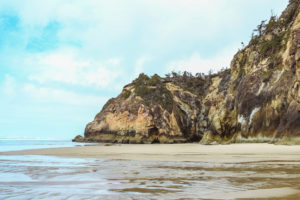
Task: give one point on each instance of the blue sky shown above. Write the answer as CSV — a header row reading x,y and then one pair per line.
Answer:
x,y
61,60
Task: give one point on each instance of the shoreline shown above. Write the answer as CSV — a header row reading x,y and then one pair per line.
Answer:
x,y
231,153
253,170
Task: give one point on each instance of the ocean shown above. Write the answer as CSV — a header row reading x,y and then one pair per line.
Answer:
x,y
50,177
22,144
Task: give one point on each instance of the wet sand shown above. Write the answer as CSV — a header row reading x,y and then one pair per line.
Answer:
x,y
233,153
157,171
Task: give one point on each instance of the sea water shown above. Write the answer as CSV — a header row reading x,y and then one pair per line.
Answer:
x,y
50,177
22,144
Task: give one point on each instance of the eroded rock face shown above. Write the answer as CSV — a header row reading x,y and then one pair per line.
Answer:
x,y
257,99
128,118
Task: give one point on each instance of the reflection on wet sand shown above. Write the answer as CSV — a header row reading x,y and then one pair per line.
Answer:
x,y
68,178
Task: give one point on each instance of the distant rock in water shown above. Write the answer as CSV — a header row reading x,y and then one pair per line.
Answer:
x,y
256,100
78,138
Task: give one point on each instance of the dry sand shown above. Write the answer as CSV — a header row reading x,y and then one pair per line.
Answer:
x,y
233,153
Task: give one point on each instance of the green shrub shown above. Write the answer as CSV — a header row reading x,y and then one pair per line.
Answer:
x,y
126,94
195,84
142,90
141,80
254,40
158,95
273,23
154,80
267,48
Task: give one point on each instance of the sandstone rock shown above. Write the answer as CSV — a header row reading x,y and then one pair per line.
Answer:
x,y
78,138
257,99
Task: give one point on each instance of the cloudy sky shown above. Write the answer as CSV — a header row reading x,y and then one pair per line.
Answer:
x,y
61,60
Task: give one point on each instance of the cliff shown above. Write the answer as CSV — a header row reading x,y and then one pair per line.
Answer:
x,y
257,99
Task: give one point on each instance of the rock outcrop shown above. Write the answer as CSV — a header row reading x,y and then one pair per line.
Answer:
x,y
257,99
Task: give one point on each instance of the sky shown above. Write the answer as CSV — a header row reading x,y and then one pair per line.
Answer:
x,y
61,60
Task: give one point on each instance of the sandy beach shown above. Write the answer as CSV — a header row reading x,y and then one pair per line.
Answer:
x,y
233,153
169,171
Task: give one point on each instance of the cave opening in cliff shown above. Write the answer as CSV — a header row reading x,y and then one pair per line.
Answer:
x,y
153,131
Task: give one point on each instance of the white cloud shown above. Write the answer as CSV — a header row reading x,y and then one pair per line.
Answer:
x,y
69,67
99,23
128,28
51,95
198,64
11,89
107,31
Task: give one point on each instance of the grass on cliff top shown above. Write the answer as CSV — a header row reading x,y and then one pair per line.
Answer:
x,y
153,91
126,94
195,84
269,48
276,27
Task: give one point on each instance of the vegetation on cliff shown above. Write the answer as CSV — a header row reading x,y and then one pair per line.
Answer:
x,y
257,99
153,91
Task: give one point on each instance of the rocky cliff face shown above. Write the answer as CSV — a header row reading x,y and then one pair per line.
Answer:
x,y
257,99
